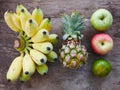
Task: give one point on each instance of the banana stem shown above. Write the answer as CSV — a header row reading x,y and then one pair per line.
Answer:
x,y
20,44
16,43
23,44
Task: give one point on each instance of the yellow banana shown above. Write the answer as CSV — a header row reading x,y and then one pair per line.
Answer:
x,y
8,19
44,47
19,8
53,38
31,27
45,24
28,65
52,56
40,36
24,16
37,15
15,69
16,21
38,57
42,69
24,77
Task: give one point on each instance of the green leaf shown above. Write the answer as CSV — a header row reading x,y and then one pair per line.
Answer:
x,y
72,24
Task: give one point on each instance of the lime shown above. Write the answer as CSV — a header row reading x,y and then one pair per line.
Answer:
x,y
101,68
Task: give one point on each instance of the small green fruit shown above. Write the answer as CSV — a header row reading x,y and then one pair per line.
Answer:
x,y
101,68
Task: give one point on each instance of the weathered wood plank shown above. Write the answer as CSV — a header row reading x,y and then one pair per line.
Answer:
x,y
59,78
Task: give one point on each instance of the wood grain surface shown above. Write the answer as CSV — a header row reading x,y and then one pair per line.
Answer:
x,y
59,78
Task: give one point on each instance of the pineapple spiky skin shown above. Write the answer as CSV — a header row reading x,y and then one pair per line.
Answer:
x,y
73,54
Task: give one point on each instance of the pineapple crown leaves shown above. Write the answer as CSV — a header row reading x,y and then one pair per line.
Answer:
x,y
72,24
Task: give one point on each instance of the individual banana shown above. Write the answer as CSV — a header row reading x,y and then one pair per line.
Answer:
x,y
52,56
24,16
31,27
44,47
45,24
38,57
16,21
8,19
40,36
28,65
53,38
19,8
37,15
24,77
42,69
15,69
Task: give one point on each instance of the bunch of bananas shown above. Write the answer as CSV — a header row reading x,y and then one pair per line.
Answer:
x,y
34,43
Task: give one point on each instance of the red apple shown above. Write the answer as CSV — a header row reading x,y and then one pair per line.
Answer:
x,y
102,43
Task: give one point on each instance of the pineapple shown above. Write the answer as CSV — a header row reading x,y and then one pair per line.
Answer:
x,y
73,54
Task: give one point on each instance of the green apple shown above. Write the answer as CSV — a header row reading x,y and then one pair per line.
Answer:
x,y
101,19
101,68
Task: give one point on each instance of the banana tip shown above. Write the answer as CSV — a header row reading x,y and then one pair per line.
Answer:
x,y
37,7
42,60
30,21
48,48
57,37
44,32
26,72
22,81
55,59
8,80
22,10
45,73
49,18
19,4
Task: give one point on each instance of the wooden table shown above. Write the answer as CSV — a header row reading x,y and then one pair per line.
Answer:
x,y
59,78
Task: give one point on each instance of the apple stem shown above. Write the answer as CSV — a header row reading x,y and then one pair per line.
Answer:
x,y
102,18
102,43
